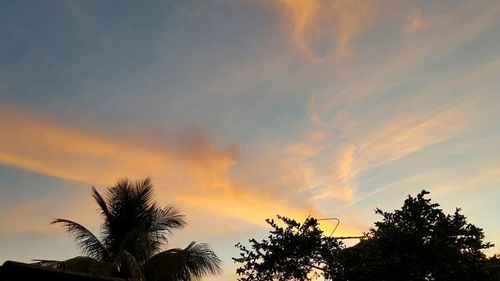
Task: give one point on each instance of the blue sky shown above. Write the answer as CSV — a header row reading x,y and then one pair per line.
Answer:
x,y
240,110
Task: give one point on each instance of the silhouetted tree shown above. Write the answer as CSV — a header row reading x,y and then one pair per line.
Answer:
x,y
491,268
134,234
418,242
293,252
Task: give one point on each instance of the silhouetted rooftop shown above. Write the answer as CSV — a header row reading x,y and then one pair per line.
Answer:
x,y
12,270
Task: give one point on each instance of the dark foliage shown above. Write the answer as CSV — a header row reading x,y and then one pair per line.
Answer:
x,y
135,232
491,268
418,242
293,252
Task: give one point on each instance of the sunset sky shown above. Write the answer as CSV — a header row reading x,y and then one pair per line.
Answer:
x,y
241,110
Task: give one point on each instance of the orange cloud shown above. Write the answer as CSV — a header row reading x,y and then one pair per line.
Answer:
x,y
196,173
254,208
345,162
301,15
342,181
325,28
33,143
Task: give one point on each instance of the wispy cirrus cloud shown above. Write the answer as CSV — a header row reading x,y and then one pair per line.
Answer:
x,y
323,28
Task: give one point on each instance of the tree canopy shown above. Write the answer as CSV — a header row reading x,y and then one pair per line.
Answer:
x,y
416,242
295,251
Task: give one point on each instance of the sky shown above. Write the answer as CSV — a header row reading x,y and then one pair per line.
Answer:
x,y
240,110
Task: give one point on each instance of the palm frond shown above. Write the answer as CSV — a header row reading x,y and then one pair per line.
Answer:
x,y
101,202
143,196
165,221
87,241
169,219
149,237
139,243
190,263
125,214
134,222
121,191
144,188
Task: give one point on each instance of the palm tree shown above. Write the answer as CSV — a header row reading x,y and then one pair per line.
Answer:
x,y
134,234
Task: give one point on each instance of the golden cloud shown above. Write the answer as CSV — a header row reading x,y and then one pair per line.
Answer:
x,y
326,28
194,173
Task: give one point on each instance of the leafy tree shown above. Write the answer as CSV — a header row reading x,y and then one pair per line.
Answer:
x,y
418,242
293,252
134,234
491,268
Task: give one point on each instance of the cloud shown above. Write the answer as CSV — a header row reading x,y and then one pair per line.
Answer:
x,y
345,162
191,170
325,28
306,153
343,172
363,140
307,147
406,136
415,54
388,142
254,208
34,143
